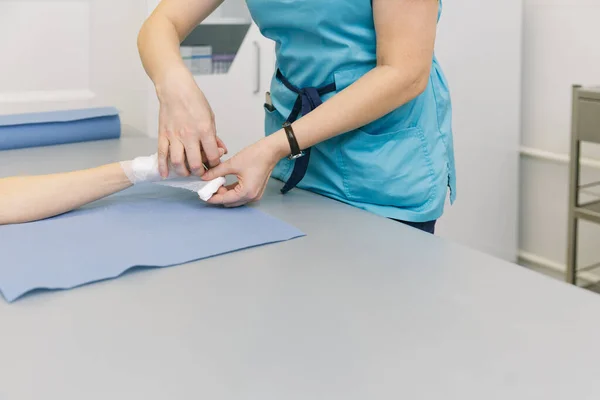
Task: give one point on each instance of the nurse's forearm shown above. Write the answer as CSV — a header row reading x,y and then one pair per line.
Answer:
x,y
158,44
377,93
31,198
160,37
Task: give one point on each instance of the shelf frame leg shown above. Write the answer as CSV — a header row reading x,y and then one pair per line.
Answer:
x,y
574,167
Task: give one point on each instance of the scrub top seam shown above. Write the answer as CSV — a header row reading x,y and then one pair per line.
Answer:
x,y
441,133
343,165
427,155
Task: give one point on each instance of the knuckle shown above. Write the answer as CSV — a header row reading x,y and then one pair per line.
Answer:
x,y
206,129
196,165
187,134
169,134
181,169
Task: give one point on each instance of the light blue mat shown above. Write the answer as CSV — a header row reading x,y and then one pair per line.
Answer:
x,y
58,127
150,226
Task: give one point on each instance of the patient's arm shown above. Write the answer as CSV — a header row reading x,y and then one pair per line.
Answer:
x,y
30,198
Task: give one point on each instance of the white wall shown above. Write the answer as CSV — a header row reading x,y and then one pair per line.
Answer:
x,y
479,47
34,52
72,53
117,75
560,49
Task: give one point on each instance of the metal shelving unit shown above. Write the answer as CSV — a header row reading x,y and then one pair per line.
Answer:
x,y
585,127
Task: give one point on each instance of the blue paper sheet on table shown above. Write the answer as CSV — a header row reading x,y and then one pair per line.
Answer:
x,y
151,226
58,127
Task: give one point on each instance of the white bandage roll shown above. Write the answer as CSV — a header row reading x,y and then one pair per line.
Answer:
x,y
204,189
210,189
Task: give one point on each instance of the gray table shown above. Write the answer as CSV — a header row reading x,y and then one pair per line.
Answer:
x,y
360,308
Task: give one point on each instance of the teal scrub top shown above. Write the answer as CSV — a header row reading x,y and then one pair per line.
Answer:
x,y
399,166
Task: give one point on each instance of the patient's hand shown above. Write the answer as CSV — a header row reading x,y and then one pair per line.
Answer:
x,y
146,169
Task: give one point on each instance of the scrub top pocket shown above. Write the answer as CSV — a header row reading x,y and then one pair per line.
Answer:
x,y
389,169
403,117
273,120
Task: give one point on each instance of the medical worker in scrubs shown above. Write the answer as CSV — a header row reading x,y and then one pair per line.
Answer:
x,y
360,108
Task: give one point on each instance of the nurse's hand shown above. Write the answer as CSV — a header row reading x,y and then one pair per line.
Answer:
x,y
187,132
252,167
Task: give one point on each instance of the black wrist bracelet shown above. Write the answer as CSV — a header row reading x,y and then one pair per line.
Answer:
x,y
294,147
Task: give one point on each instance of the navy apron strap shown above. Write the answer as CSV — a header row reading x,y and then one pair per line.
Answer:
x,y
308,99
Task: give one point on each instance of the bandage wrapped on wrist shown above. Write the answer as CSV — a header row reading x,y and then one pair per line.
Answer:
x,y
145,170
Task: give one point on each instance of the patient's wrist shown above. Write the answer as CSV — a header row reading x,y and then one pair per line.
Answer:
x,y
142,169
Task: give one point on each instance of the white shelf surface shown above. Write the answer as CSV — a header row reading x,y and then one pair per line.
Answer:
x,y
226,21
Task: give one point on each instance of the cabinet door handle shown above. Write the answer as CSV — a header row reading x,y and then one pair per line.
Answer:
x,y
257,47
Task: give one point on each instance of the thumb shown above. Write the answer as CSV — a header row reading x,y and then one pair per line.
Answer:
x,y
219,171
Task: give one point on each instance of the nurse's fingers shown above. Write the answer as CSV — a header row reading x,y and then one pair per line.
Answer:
x,y
221,170
222,145
210,147
237,204
225,189
163,156
232,195
221,190
205,159
194,157
177,154
242,201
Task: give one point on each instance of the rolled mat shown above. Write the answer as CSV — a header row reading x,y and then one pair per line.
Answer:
x,y
58,127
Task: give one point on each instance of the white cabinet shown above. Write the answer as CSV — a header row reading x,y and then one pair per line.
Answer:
x,y
237,95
